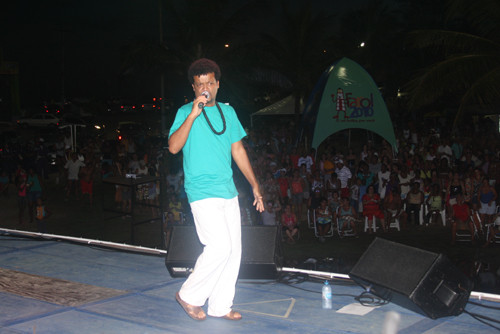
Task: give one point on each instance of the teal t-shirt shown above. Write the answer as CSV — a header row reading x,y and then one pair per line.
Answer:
x,y
35,183
207,156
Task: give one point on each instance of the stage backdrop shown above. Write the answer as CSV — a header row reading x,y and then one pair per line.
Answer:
x,y
350,99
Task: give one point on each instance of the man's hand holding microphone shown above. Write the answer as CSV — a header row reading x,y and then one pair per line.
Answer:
x,y
199,103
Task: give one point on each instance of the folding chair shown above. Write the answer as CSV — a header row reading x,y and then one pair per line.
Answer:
x,y
310,222
329,234
373,222
490,228
479,228
420,214
441,214
464,235
348,232
394,222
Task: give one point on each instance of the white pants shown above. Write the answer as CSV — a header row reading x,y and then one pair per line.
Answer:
x,y
218,224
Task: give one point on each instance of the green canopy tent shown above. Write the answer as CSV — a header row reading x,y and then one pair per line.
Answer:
x,y
349,99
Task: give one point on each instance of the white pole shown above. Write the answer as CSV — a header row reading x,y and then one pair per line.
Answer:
x,y
85,241
474,294
316,273
72,139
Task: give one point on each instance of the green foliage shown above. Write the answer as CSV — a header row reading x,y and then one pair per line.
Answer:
x,y
468,63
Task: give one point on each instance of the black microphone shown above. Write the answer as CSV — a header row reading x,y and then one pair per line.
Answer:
x,y
207,95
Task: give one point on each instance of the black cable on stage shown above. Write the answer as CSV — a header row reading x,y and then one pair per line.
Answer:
x,y
368,299
480,318
483,317
244,281
291,279
485,306
11,238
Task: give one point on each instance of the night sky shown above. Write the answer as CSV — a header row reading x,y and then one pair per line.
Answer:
x,y
81,39
74,49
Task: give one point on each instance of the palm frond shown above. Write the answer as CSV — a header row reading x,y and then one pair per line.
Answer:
x,y
484,91
450,41
457,73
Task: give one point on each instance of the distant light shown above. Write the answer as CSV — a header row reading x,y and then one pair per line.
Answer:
x,y
401,94
226,45
324,51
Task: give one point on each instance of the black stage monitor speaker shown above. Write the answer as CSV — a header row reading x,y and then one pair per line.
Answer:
x,y
260,259
421,281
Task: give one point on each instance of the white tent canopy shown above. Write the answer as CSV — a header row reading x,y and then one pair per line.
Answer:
x,y
282,107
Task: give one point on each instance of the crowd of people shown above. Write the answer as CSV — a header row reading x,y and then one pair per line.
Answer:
x,y
26,167
428,179
432,178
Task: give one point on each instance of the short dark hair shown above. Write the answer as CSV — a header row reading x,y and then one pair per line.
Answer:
x,y
203,66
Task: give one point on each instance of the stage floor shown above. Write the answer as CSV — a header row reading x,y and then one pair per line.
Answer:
x,y
49,286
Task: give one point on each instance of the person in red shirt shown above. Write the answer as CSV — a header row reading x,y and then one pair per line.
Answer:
x,y
371,207
297,187
284,185
460,219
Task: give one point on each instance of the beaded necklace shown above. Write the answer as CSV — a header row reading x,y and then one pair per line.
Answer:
x,y
223,120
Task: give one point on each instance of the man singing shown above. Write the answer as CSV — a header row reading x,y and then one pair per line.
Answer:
x,y
208,142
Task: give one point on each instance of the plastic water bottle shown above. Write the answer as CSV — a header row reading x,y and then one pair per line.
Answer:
x,y
326,296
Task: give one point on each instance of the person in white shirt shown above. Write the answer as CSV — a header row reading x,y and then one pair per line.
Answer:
x,y
444,151
133,164
269,216
73,166
305,160
383,177
344,175
143,169
405,180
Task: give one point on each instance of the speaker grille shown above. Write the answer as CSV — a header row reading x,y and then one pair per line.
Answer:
x,y
416,279
399,266
260,258
258,243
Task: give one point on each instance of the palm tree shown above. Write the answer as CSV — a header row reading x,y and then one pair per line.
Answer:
x,y
470,63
